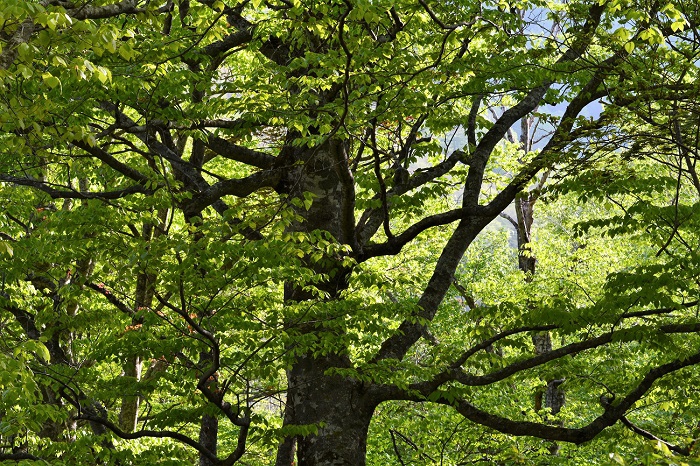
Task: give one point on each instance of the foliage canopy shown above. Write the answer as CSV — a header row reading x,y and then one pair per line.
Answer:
x,y
263,231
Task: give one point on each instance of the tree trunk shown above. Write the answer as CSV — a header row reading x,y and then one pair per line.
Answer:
x,y
208,437
337,407
330,413
129,412
553,394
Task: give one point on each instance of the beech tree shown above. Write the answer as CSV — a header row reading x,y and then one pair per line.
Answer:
x,y
232,230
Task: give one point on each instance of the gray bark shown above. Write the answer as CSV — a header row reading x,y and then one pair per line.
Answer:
x,y
337,406
313,397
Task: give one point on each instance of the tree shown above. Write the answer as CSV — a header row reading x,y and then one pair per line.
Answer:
x,y
210,206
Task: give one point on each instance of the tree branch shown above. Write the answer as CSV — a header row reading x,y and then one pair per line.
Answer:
x,y
371,219
19,457
148,434
73,194
109,160
395,244
577,436
238,153
105,11
456,374
234,187
116,302
649,436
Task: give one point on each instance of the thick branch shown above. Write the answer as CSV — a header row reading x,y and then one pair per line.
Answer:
x,y
578,435
105,11
238,153
234,187
27,322
10,48
410,331
229,42
562,135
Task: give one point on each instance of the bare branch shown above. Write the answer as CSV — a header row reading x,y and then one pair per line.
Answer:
x,y
509,218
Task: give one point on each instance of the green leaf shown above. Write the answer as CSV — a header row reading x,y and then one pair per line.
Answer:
x,y
51,80
678,25
6,248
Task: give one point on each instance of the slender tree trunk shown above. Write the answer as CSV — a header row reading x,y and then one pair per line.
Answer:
x,y
209,426
553,395
129,412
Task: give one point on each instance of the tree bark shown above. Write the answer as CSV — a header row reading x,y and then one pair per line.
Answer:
x,y
553,395
208,437
330,412
337,408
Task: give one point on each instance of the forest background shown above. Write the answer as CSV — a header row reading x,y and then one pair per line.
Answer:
x,y
349,232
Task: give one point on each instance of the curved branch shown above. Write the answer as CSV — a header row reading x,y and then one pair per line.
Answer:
x,y
410,330
395,244
371,219
455,373
149,434
580,435
234,187
649,436
449,27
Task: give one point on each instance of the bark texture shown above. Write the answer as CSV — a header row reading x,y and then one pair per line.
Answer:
x,y
316,401
337,406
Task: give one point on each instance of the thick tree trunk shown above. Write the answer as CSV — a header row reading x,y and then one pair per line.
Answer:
x,y
337,407
208,437
332,413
